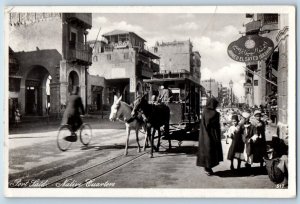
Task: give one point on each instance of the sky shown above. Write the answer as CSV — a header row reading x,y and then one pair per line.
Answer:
x,y
210,34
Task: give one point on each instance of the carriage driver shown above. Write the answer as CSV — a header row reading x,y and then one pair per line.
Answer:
x,y
166,94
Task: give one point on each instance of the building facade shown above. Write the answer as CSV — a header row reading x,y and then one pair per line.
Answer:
x,y
211,87
95,93
124,63
178,56
266,81
49,55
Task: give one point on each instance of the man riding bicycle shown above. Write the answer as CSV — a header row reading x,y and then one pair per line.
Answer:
x,y
72,113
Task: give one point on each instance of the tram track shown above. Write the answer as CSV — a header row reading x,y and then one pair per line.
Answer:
x,y
104,167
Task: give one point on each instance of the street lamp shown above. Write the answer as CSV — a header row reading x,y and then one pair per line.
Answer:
x,y
231,85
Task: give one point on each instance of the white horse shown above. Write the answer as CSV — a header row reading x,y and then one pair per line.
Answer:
x,y
120,108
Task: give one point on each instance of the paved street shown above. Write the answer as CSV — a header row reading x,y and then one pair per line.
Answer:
x,y
34,156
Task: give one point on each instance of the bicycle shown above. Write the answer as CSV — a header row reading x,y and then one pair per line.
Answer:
x,y
65,136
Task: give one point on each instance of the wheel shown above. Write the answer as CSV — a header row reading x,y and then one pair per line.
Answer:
x,y
85,134
63,132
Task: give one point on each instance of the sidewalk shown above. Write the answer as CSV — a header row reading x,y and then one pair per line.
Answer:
x,y
44,124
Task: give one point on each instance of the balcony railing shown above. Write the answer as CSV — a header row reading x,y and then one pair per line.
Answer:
x,y
85,18
108,48
162,74
81,53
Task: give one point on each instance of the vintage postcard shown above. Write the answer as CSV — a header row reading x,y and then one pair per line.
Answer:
x,y
150,101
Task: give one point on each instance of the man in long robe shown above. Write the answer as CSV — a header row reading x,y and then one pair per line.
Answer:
x,y
210,147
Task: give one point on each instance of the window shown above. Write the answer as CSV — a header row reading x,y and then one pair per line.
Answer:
x,y
72,42
126,55
255,82
109,57
270,18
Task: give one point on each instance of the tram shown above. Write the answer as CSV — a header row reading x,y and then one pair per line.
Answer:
x,y
185,107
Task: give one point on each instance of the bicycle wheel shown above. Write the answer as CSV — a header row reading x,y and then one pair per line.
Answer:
x,y
85,134
63,132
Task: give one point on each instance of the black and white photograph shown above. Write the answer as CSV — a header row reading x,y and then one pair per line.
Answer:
x,y
160,101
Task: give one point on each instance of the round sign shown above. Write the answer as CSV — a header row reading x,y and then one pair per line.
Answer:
x,y
250,48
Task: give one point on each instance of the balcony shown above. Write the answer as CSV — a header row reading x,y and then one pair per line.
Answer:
x,y
172,74
81,53
108,48
83,19
154,67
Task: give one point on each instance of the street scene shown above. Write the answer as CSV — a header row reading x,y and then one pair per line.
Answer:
x,y
134,100
34,156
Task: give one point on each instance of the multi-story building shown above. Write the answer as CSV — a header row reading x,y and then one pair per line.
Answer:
x,y
124,62
266,81
265,25
49,57
211,86
178,56
225,96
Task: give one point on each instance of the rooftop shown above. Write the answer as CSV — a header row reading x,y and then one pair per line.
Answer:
x,y
121,32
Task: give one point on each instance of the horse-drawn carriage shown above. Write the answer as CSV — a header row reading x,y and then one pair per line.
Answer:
x,y
184,104
179,116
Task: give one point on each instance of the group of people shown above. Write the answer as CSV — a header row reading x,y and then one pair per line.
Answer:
x,y
247,134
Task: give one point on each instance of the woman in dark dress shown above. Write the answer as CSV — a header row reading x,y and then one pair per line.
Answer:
x,y
210,148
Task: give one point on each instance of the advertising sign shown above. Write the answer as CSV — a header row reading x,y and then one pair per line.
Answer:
x,y
250,48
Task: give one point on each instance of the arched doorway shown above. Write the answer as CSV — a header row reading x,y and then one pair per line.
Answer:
x,y
37,91
73,80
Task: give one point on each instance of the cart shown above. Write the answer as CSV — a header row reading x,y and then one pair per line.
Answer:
x,y
184,106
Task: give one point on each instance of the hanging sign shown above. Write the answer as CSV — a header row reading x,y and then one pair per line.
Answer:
x,y
250,48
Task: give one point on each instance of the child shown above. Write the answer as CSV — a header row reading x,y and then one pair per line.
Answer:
x,y
247,133
237,146
17,117
259,138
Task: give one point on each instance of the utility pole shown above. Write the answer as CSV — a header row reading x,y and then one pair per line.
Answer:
x,y
210,87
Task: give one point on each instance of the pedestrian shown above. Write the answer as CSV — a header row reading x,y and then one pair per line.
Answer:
x,y
17,117
210,148
247,133
236,149
259,138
